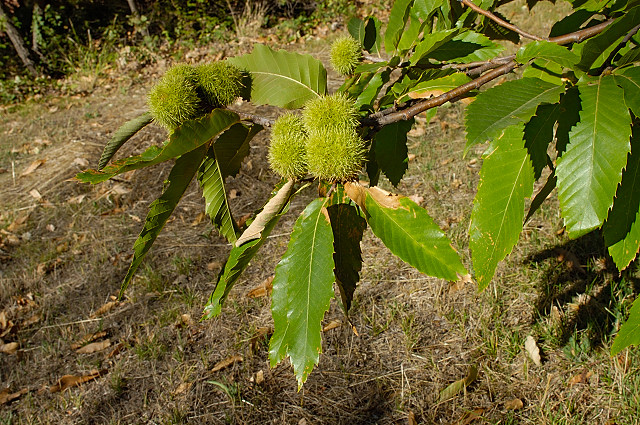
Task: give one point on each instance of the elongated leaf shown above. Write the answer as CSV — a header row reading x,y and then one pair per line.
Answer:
x,y
622,228
391,150
372,42
438,86
467,47
538,134
506,105
372,89
348,227
425,8
302,290
569,116
497,32
629,80
595,47
431,42
356,27
397,20
410,32
571,23
232,147
216,206
409,232
542,195
545,70
160,210
631,56
506,179
282,78
240,255
629,333
121,136
591,168
547,50
191,135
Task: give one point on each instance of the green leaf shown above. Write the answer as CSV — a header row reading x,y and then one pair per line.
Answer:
x,y
538,134
241,254
160,210
355,26
438,86
391,150
497,32
282,78
547,50
571,23
191,135
458,386
302,290
506,179
542,195
410,33
431,42
372,41
411,234
596,46
467,47
506,105
622,229
629,333
348,228
232,147
591,168
121,136
372,89
545,70
397,20
568,117
629,80
425,8
216,206
632,55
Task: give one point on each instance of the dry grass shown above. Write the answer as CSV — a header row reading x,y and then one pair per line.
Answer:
x,y
415,334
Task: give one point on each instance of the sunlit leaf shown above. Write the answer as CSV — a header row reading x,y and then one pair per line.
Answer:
x,y
120,137
629,333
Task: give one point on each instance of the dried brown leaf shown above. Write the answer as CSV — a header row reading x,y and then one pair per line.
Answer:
x,y
532,349
514,404
259,377
182,388
411,418
469,417
571,260
331,325
9,348
581,378
87,339
455,388
68,381
31,320
263,289
19,222
7,397
94,347
105,309
4,322
227,362
33,167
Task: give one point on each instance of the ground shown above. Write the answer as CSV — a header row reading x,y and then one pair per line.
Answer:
x,y
65,246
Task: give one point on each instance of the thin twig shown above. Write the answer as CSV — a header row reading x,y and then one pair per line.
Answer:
x,y
500,21
256,119
374,59
615,51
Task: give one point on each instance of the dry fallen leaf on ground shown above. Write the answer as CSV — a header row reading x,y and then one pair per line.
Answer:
x,y
331,325
514,404
33,167
7,397
19,222
263,289
9,348
68,381
182,388
260,377
411,418
469,417
104,309
532,349
35,194
94,347
87,339
581,378
227,362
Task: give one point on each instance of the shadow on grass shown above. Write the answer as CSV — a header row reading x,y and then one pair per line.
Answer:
x,y
582,282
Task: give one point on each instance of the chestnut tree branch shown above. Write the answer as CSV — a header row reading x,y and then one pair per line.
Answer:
x,y
500,21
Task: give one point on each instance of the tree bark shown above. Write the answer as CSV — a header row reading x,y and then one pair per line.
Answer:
x,y
136,14
17,42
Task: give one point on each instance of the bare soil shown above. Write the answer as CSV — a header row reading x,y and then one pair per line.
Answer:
x,y
64,248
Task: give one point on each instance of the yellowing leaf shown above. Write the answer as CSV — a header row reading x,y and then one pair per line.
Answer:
x,y
455,388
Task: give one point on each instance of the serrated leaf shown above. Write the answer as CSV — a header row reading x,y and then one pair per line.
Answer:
x,y
596,46
546,50
282,78
629,333
631,56
538,134
410,233
397,20
591,168
160,210
467,47
410,32
629,80
391,150
241,254
506,179
370,92
216,206
355,26
302,290
191,135
622,229
542,195
545,70
121,136
438,86
431,42
496,31
506,105
348,227
232,147
568,117
425,8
